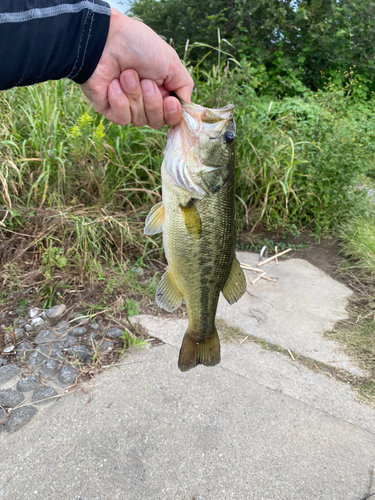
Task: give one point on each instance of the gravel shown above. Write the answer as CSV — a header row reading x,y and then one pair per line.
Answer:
x,y
7,372
42,395
19,418
10,398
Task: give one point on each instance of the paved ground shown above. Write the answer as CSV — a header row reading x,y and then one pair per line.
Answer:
x,y
258,426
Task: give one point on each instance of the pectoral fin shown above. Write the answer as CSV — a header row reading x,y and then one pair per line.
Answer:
x,y
235,286
155,219
167,295
192,220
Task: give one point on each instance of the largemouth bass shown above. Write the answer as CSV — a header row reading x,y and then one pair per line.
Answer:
x,y
197,217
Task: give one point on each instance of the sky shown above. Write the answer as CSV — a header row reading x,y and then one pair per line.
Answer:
x,y
121,5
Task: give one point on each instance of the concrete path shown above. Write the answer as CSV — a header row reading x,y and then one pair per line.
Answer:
x,y
257,426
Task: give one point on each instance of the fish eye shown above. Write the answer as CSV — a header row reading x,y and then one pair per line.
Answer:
x,y
229,137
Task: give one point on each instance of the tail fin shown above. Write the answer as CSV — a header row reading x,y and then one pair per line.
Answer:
x,y
204,352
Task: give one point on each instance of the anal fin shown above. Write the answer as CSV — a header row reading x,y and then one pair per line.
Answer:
x,y
155,219
167,295
235,285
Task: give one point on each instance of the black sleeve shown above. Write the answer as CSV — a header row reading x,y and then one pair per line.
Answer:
x,y
50,39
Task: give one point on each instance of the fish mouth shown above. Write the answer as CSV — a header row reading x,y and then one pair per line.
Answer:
x,y
213,122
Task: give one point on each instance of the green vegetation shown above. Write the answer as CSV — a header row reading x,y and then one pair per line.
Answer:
x,y
75,189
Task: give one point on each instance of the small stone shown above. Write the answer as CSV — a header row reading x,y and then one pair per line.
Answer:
x,y
24,350
79,319
43,393
3,314
19,418
9,348
21,322
36,358
54,314
68,375
28,384
91,337
80,352
33,313
28,328
94,326
2,415
10,398
64,342
19,332
50,366
114,332
7,372
37,321
78,330
138,270
44,337
62,327
3,361
56,354
105,345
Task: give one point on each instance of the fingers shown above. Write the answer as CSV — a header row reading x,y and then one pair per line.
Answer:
x,y
172,111
130,84
153,104
141,103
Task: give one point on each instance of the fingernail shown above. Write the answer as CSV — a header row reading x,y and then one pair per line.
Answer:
x,y
130,80
116,87
147,87
171,105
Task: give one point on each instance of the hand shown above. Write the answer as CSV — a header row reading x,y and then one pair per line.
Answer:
x,y
134,76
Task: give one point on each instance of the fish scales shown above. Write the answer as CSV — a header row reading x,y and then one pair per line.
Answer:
x,y
197,217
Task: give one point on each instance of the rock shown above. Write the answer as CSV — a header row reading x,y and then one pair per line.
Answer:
x,y
37,321
36,358
9,348
94,326
55,314
91,336
2,415
44,393
28,384
28,328
3,315
68,375
79,319
80,352
56,354
33,313
2,428
21,322
44,337
50,366
10,398
7,372
78,330
62,327
105,345
19,418
64,342
3,361
24,350
19,332
114,332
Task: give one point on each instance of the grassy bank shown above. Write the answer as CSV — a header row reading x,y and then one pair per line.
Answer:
x,y
75,189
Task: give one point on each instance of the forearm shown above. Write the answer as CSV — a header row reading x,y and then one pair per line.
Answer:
x,y
50,39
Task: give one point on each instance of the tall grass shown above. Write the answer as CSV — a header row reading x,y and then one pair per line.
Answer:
x,y
78,187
